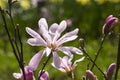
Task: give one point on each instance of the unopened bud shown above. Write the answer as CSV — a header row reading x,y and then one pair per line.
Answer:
x,y
44,76
82,43
110,71
69,22
90,75
109,24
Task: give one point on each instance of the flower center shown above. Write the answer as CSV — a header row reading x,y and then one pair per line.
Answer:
x,y
52,46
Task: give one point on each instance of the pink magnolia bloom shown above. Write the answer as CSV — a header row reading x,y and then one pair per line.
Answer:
x,y
28,73
90,75
51,40
109,24
110,71
44,76
66,64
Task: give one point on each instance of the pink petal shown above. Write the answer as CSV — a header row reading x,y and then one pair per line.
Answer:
x,y
34,62
35,42
65,51
53,28
68,37
68,50
75,50
62,26
48,51
44,76
43,22
79,60
56,60
32,32
35,35
17,75
44,33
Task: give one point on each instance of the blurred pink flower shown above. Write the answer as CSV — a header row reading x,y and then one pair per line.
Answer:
x,y
50,39
66,64
28,73
90,75
69,22
110,71
44,76
109,24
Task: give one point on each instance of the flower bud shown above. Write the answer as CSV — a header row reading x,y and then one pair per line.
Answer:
x,y
109,24
110,71
90,75
82,43
28,74
69,22
44,76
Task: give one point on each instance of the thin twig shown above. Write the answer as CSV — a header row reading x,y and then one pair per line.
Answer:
x,y
98,52
7,31
84,51
118,59
44,65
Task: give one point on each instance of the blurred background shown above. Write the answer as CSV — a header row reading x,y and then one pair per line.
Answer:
x,y
87,15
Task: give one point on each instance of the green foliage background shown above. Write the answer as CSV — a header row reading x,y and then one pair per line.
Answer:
x,y
89,18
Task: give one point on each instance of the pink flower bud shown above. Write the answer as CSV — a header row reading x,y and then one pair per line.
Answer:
x,y
28,74
69,22
110,71
109,24
44,76
90,75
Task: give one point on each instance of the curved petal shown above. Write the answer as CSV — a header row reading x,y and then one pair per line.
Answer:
x,y
79,60
34,62
44,76
43,22
71,49
65,51
17,75
56,60
44,32
68,37
35,35
62,26
53,28
48,51
35,42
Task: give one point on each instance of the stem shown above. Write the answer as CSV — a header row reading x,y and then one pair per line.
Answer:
x,y
44,65
16,33
72,75
7,31
84,51
98,52
118,60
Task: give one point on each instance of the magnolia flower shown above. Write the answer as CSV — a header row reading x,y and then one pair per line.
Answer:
x,y
90,75
66,64
109,24
110,71
44,76
28,74
50,39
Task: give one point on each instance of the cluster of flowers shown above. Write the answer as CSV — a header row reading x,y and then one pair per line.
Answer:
x,y
52,42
